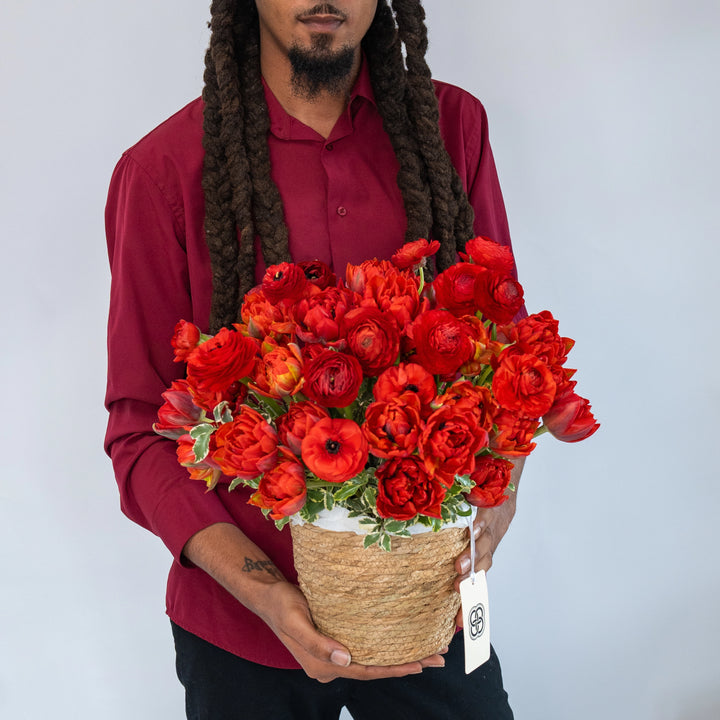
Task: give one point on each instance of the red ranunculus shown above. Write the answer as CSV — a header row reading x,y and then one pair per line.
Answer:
x,y
293,425
282,489
373,338
285,281
513,434
442,342
413,254
247,446
455,289
449,443
498,296
538,335
393,428
185,339
394,292
318,316
570,418
464,397
523,383
178,412
332,379
318,273
335,449
489,254
492,478
406,489
357,276
218,364
263,318
406,378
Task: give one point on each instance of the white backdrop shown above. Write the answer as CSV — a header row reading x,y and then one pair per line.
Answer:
x,y
603,122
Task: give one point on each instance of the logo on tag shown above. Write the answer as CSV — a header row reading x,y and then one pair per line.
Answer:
x,y
476,619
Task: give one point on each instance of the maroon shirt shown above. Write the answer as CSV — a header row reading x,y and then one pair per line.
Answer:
x,y
342,205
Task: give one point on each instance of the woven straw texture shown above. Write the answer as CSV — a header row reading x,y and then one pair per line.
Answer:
x,y
387,608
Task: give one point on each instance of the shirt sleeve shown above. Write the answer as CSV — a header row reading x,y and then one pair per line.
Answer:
x,y
150,292
464,125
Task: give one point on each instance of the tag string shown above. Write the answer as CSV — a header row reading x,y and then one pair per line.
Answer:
x,y
471,528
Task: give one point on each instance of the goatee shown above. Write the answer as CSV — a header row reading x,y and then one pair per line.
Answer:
x,y
319,69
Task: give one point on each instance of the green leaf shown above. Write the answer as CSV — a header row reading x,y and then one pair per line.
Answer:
x,y
329,500
282,522
347,490
394,526
386,543
201,435
236,483
371,539
368,521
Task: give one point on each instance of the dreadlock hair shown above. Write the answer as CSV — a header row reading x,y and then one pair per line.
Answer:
x,y
240,195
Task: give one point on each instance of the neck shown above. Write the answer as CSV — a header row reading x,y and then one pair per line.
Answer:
x,y
319,112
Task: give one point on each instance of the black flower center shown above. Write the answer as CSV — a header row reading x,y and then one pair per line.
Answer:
x,y
332,446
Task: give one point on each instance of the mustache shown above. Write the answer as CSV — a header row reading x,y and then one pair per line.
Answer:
x,y
323,9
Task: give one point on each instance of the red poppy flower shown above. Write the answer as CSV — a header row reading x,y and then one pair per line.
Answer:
x,y
335,449
293,425
406,489
406,378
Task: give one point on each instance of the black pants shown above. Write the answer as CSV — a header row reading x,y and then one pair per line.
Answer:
x,y
221,686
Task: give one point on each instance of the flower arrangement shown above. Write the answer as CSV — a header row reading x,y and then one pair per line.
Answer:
x,y
397,399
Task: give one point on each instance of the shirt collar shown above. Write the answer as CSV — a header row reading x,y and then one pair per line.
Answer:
x,y
286,127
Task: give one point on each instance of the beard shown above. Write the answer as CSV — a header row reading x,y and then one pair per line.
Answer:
x,y
319,69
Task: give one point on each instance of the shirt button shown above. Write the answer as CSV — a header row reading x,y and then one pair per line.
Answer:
x,y
329,146
341,211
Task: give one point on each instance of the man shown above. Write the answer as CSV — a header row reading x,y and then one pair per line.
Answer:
x,y
314,139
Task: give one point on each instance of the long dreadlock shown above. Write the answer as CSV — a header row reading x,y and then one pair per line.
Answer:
x,y
240,194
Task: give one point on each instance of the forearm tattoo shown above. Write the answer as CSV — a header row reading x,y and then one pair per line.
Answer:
x,y
262,566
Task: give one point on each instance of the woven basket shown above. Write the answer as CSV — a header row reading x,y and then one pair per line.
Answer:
x,y
387,608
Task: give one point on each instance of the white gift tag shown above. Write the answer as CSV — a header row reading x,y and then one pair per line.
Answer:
x,y
476,627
